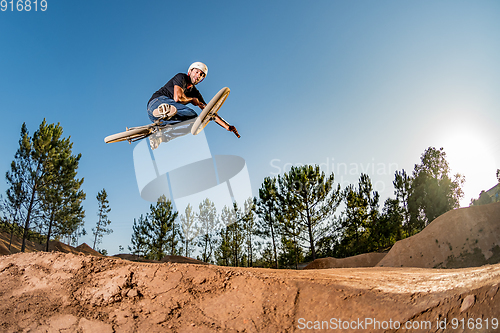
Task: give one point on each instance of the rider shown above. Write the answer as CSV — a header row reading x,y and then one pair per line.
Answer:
x,y
168,104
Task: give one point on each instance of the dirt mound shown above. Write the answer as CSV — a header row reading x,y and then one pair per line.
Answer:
x,y
361,260
465,237
54,292
182,260
133,257
15,247
54,246
61,247
171,259
4,250
84,248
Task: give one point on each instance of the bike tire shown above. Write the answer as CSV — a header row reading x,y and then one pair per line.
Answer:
x,y
131,134
210,110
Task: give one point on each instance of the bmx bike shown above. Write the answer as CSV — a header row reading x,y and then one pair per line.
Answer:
x,y
208,114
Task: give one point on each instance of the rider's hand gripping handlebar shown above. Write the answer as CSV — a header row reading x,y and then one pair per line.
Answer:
x,y
234,130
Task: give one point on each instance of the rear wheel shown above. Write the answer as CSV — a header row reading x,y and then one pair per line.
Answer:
x,y
131,135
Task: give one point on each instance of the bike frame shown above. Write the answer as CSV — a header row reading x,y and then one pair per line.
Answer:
x,y
153,128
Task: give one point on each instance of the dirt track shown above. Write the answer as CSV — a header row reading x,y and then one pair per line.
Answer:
x,y
54,292
82,291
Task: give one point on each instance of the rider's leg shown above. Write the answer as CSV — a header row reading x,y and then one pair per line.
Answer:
x,y
165,111
181,122
183,112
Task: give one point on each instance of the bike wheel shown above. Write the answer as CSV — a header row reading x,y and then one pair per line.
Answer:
x,y
210,111
131,134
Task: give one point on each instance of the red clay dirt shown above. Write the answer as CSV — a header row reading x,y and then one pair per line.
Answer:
x,y
66,292
11,246
55,292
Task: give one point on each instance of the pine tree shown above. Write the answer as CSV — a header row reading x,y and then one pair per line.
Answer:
x,y
290,230
208,222
223,250
103,221
402,190
249,228
291,254
11,207
189,228
61,199
360,217
266,259
267,210
176,239
158,229
138,240
77,233
30,171
309,193
390,224
232,219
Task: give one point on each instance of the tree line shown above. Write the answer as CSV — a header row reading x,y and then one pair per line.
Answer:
x,y
44,199
302,221
227,239
302,215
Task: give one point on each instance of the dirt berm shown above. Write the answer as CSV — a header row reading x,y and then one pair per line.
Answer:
x,y
465,237
361,260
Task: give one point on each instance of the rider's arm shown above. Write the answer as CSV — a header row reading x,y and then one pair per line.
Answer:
x,y
180,97
219,120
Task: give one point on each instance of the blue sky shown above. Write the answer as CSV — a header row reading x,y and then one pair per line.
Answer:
x,y
362,86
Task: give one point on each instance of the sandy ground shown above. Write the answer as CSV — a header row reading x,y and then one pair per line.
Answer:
x,y
55,292
77,292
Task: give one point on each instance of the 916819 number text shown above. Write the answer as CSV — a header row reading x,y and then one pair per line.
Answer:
x,y
23,5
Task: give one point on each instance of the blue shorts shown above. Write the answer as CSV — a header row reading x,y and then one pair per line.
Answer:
x,y
184,112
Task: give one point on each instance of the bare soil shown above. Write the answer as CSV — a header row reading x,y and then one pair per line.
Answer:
x,y
53,292
465,237
362,260
11,245
77,292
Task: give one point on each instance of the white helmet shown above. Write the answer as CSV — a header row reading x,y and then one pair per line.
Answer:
x,y
199,65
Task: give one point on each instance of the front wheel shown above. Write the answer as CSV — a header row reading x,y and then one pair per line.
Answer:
x,y
210,111
131,135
